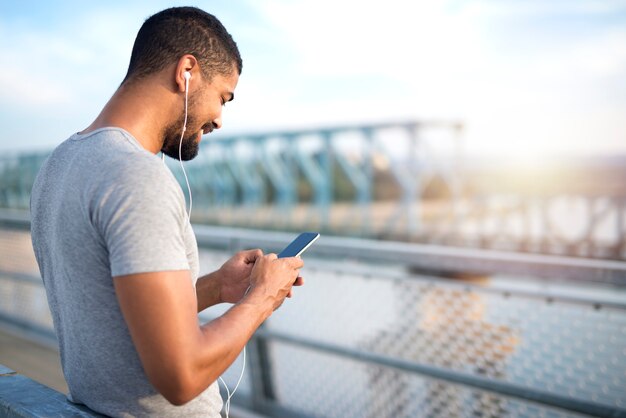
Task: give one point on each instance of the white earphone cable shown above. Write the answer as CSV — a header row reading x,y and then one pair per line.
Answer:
x,y
180,148
243,368
230,394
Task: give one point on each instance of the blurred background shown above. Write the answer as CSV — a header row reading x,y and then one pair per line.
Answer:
x,y
463,160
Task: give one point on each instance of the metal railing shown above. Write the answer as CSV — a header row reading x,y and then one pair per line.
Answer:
x,y
404,330
402,181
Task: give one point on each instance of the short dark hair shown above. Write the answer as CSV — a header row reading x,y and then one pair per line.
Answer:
x,y
168,35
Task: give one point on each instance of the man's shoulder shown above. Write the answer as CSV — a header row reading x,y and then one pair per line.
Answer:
x,y
121,157
104,145
114,144
108,160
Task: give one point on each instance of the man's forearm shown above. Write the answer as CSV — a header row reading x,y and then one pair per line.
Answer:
x,y
208,291
221,340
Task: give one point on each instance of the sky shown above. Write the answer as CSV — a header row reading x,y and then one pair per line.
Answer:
x,y
527,78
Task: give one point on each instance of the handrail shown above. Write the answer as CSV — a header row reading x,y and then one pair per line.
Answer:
x,y
21,397
453,259
412,255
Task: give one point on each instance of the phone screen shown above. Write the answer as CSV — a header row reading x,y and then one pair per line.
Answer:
x,y
298,245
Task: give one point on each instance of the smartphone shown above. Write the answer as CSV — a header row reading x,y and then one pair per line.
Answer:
x,y
299,245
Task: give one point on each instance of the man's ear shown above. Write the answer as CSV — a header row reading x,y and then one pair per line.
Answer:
x,y
186,64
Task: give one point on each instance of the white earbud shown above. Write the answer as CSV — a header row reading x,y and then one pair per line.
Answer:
x,y
186,76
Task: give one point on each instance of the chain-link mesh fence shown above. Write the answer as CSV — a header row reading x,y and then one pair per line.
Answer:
x,y
552,338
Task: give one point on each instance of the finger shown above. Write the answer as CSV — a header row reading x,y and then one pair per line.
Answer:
x,y
251,256
258,261
271,256
296,262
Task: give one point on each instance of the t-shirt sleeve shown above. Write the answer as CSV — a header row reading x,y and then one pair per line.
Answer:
x,y
141,215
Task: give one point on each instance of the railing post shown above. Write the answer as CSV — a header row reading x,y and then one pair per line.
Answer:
x,y
262,380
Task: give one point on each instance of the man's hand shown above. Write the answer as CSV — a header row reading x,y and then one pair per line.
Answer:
x,y
272,278
234,275
230,282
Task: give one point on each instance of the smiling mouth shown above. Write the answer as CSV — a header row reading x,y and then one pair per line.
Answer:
x,y
207,129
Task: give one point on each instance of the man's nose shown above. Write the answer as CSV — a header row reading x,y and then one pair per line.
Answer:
x,y
217,123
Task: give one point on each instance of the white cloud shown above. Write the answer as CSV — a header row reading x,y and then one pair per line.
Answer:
x,y
24,69
356,37
540,8
33,89
54,78
601,57
55,66
451,63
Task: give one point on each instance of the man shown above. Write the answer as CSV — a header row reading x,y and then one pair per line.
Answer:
x,y
115,248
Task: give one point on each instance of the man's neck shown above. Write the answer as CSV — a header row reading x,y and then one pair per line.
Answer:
x,y
141,109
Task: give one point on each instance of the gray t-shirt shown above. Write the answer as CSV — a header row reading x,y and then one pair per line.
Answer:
x,y
103,206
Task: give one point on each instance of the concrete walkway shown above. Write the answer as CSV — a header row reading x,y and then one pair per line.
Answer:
x,y
38,361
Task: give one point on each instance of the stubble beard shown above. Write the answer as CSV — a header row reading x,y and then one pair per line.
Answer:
x,y
171,137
